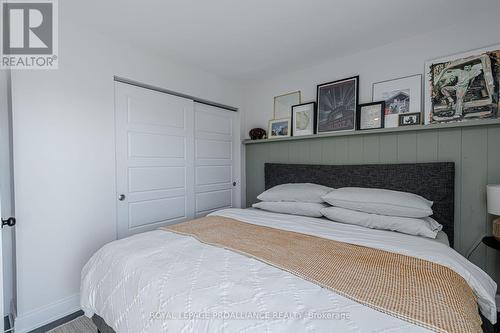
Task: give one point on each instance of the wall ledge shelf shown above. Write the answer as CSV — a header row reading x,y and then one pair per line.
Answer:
x,y
416,128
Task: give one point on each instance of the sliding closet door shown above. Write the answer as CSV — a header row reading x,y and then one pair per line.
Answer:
x,y
216,181
154,156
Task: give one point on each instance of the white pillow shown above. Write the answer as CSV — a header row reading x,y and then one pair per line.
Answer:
x,y
426,227
294,208
299,192
378,201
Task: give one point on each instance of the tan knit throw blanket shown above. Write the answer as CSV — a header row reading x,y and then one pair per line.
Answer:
x,y
412,289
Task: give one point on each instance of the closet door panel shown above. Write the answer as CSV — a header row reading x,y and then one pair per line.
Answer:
x,y
155,159
208,201
210,175
155,145
156,178
214,159
147,212
217,149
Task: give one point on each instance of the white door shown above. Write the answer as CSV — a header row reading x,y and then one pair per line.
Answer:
x,y
1,269
6,193
154,159
217,182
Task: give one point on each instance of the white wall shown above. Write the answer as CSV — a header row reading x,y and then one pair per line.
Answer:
x,y
64,157
401,58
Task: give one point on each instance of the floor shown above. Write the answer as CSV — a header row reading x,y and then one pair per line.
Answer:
x,y
73,323
81,324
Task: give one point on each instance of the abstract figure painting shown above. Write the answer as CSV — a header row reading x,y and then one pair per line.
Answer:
x,y
464,86
337,102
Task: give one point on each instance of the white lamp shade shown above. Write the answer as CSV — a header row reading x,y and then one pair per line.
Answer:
x,y
493,199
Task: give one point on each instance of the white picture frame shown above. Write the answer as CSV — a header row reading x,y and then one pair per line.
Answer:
x,y
283,104
279,128
409,87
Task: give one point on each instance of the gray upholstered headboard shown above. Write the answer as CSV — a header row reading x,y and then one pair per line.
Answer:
x,y
434,181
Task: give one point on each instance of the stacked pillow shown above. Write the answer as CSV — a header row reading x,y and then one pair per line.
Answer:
x,y
382,209
368,207
297,199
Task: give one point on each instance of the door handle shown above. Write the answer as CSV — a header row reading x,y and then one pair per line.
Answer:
x,y
121,197
234,184
11,221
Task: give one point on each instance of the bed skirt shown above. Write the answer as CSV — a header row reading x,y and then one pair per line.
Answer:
x,y
102,327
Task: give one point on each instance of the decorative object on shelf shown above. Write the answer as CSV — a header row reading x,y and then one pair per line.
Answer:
x,y
463,86
402,95
337,104
493,201
279,128
304,119
257,133
410,119
283,104
370,116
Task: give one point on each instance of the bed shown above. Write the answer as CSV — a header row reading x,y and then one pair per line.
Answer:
x,y
163,281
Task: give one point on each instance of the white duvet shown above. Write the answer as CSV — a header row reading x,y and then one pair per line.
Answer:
x,y
159,281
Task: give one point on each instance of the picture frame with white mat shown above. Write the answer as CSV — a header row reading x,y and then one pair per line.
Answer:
x,y
304,119
279,128
283,104
401,95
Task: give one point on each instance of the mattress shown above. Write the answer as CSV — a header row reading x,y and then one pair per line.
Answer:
x,y
159,281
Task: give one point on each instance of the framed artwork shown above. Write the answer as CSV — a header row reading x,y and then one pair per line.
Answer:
x,y
337,103
370,116
463,86
410,119
283,104
304,119
279,128
402,95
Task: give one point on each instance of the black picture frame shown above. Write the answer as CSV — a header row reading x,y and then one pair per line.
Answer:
x,y
402,117
326,105
315,117
360,111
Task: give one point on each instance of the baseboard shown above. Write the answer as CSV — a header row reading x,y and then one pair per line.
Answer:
x,y
39,317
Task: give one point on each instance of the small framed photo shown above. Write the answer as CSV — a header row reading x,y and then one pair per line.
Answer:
x,y
304,119
337,103
370,115
279,128
402,95
283,104
410,119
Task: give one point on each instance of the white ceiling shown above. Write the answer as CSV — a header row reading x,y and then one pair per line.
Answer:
x,y
247,39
